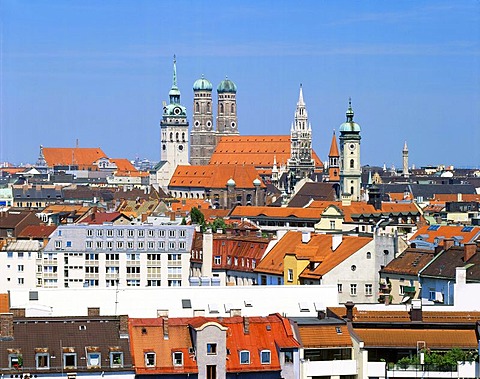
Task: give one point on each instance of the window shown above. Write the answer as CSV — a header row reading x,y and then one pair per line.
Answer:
x,y
112,257
150,359
171,233
119,245
109,232
58,245
99,245
290,275
369,255
174,257
130,245
70,360
211,372
217,260
20,268
141,233
161,233
133,257
21,280
151,233
244,357
42,360
332,224
171,245
182,233
353,289
368,289
116,359
431,295
89,244
94,359
99,233
353,268
161,245
130,232
119,232
288,356
15,360
265,357
133,282
181,245
178,358
89,233
339,287
352,163
150,245
211,348
141,245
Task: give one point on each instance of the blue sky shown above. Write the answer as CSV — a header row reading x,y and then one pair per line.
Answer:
x,y
98,71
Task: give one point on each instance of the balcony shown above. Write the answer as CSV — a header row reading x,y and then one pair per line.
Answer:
x,y
330,368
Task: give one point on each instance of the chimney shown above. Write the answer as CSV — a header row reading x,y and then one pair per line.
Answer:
x,y
207,256
321,315
460,275
93,312
470,249
448,243
306,236
349,305
164,315
123,327
246,325
459,197
416,310
18,312
336,241
6,326
172,216
235,312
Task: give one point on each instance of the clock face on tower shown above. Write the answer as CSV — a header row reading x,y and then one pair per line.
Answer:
x,y
177,111
351,146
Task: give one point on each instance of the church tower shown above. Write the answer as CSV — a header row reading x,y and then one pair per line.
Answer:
x,y
227,108
405,160
334,161
301,163
350,168
174,135
202,137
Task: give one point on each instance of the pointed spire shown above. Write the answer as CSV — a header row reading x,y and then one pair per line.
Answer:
x,y
350,111
174,72
300,96
334,147
405,147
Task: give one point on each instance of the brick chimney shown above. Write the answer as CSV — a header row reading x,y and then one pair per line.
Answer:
x,y
321,315
448,243
93,312
6,325
246,325
18,312
416,310
349,305
123,327
470,249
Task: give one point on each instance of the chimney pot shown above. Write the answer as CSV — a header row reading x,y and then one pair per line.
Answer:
x,y
448,243
349,305
470,249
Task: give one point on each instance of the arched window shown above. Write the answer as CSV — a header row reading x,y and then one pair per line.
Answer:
x,y
221,108
232,109
183,137
176,136
352,163
197,107
208,107
369,255
171,136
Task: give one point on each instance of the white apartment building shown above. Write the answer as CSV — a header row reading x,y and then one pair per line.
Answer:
x,y
18,264
108,255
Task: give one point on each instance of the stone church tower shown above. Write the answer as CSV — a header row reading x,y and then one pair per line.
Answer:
x,y
227,108
334,161
350,168
203,136
301,164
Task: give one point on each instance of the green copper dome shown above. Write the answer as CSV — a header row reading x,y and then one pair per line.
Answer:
x,y
227,86
202,84
349,126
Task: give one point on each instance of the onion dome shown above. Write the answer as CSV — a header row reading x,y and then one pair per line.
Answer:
x,y
227,86
202,84
257,182
349,126
231,183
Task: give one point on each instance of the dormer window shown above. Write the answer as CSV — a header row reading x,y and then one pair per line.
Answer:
x,y
116,359
178,358
150,359
42,360
244,357
265,357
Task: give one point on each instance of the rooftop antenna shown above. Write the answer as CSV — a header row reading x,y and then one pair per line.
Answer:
x,y
76,143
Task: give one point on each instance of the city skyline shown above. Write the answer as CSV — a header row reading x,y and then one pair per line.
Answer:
x,y
98,72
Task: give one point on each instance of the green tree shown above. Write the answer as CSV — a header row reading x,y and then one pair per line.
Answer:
x,y
197,216
218,223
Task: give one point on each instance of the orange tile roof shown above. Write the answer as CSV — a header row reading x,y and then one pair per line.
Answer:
x,y
215,176
318,249
447,231
270,332
334,147
133,208
84,157
444,197
186,205
123,164
410,262
56,208
4,303
259,151
322,336
408,338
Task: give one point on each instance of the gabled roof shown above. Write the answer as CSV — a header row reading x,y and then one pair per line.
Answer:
x,y
410,262
259,151
431,233
37,231
322,191
214,176
318,249
132,208
275,212
98,218
82,157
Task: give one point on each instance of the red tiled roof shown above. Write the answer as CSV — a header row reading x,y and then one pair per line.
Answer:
x,y
334,147
322,336
278,212
426,233
447,197
259,151
410,262
37,231
83,157
215,176
98,218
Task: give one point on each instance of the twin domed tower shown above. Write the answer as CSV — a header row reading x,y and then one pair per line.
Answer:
x,y
204,137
